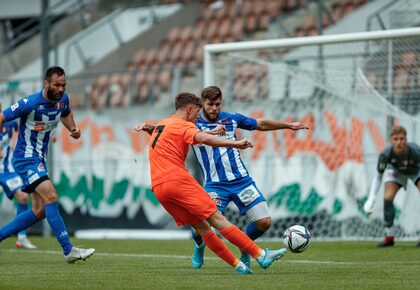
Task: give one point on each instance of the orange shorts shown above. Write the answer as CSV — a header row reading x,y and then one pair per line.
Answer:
x,y
186,201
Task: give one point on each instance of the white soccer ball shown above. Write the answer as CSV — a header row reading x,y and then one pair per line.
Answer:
x,y
297,238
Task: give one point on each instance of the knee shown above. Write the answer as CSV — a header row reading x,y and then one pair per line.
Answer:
x,y
51,197
263,224
21,197
202,228
39,212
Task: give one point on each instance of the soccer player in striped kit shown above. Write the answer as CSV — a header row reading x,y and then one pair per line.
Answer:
x,y
226,177
39,115
182,196
11,182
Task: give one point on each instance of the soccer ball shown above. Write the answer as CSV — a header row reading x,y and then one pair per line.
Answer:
x,y
297,238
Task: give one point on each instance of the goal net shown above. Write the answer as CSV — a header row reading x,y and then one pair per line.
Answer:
x,y
350,90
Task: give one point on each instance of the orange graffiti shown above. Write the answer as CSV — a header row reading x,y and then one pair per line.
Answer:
x,y
259,138
139,141
98,132
380,142
70,145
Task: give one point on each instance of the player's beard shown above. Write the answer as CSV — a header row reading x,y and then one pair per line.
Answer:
x,y
209,117
52,96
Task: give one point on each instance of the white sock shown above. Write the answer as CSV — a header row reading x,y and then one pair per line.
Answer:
x,y
21,236
262,254
389,231
241,264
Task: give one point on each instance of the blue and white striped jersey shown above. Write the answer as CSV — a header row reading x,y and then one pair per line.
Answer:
x,y
6,146
223,163
38,118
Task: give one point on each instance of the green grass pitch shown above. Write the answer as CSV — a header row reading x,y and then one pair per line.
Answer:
x,y
133,264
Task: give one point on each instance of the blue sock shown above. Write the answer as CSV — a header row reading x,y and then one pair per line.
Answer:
x,y
22,207
253,232
197,238
58,227
20,222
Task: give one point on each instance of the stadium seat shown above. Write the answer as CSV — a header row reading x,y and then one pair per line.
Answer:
x,y
264,21
142,93
237,29
99,93
225,28
165,79
151,58
174,34
348,7
251,23
310,25
212,29
402,79
199,30
336,11
273,7
199,55
186,34
163,53
409,60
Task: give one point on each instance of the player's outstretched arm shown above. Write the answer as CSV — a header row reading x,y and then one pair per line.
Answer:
x,y
219,129
144,127
374,189
269,125
68,122
216,141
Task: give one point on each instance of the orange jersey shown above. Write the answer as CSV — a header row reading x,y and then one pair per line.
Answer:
x,y
168,148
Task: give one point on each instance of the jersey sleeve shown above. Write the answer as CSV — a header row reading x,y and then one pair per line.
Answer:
x,y
67,109
382,162
189,135
244,122
21,108
15,126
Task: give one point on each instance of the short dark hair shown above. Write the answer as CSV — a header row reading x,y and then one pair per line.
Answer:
x,y
183,99
211,93
398,130
53,70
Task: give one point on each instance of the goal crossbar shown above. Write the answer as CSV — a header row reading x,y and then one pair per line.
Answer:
x,y
212,49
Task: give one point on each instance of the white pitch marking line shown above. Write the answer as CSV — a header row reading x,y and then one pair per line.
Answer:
x,y
209,258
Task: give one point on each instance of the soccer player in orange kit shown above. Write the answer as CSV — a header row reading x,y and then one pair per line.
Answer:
x,y
182,196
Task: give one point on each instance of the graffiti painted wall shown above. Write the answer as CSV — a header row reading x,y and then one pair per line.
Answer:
x,y
319,178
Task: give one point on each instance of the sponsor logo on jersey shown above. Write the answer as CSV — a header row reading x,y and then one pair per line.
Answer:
x,y
224,121
59,105
41,167
215,197
41,107
45,126
39,126
33,178
15,106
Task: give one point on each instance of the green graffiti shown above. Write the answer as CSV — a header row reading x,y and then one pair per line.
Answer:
x,y
136,193
291,195
118,191
337,207
95,194
151,196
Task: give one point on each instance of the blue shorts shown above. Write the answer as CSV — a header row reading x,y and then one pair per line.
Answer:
x,y
11,182
32,172
243,192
